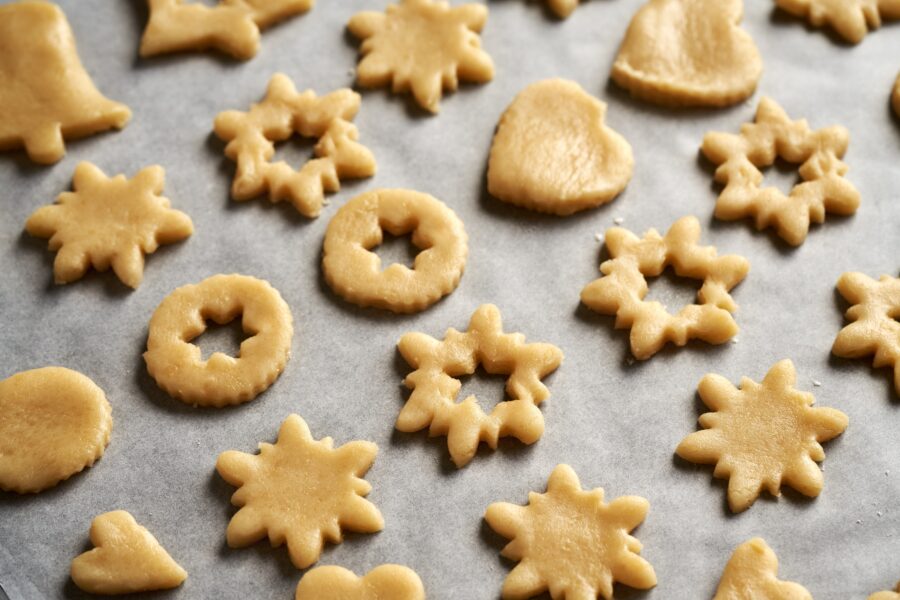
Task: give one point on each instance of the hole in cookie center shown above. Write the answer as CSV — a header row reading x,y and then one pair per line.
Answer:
x,y
396,249
225,338
672,291
488,389
781,175
295,151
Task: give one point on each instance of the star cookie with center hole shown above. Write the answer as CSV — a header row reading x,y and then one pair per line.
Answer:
x,y
851,19
752,573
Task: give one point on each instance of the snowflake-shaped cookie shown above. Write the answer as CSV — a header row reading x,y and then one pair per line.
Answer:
x,y
773,135
851,19
752,574
300,490
384,582
875,328
109,222
432,402
571,542
762,435
284,112
622,289
423,46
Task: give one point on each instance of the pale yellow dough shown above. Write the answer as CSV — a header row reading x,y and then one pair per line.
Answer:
x,y
385,582
434,384
300,491
126,559
570,542
424,46
851,19
752,574
54,422
688,53
356,274
887,595
177,365
553,153
45,93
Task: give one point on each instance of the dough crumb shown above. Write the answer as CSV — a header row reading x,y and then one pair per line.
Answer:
x,y
618,220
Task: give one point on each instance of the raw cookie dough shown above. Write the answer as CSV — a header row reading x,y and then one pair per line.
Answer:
x,y
875,328
552,152
109,222
300,491
895,96
886,595
126,559
762,435
424,46
356,274
571,542
562,8
231,26
773,135
177,365
622,288
688,53
751,573
851,19
434,386
54,422
385,582
283,113
45,93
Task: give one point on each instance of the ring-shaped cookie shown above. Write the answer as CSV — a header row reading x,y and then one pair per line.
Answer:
x,y
177,365
354,272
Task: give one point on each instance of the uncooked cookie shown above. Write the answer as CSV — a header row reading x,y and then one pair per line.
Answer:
x,y
570,542
300,491
54,422
562,8
851,19
752,573
895,97
553,153
45,93
385,582
424,46
887,595
762,435
688,53
126,559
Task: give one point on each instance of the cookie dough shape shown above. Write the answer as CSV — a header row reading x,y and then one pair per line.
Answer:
x,y
571,542
752,572
424,46
177,365
562,8
300,491
874,328
762,435
887,595
386,582
231,26
895,97
688,53
41,106
851,19
54,422
126,559
356,274
434,386
773,135
553,153
622,289
251,138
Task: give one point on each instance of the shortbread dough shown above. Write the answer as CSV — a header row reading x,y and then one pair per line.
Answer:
x,y
300,491
45,93
762,435
688,53
887,595
424,46
752,574
54,422
562,8
553,153
851,19
385,582
434,384
571,542
177,365
356,274
126,559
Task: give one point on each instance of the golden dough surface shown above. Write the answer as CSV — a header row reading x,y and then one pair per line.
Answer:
x,y
851,19
751,574
895,595
385,582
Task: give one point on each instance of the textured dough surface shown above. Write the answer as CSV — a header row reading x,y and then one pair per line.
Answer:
x,y
751,574
385,582
54,422
851,19
553,153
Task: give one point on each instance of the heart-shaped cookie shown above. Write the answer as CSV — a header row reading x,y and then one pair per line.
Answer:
x,y
553,153
688,53
126,558
385,582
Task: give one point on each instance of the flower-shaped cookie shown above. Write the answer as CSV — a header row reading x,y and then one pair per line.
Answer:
x,y
752,573
300,490
423,46
622,289
570,542
432,402
851,19
762,435
385,582
887,595
875,328
773,135
284,112
109,222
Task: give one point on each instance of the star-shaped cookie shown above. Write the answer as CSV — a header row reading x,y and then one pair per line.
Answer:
x,y
752,574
